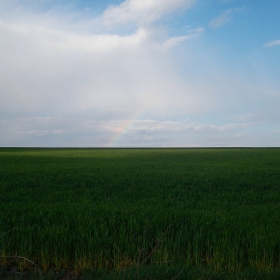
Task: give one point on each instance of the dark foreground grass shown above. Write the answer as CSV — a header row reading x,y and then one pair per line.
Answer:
x,y
140,213
147,272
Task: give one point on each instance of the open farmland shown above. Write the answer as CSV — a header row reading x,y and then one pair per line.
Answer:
x,y
140,213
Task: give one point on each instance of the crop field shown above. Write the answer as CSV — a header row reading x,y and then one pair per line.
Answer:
x,y
140,213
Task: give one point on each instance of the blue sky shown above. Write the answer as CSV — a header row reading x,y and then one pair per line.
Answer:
x,y
139,73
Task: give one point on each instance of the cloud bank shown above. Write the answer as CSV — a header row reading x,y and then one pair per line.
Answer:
x,y
70,80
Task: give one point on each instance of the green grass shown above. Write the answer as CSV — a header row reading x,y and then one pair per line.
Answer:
x,y
102,212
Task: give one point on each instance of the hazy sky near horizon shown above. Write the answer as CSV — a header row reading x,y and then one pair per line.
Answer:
x,y
139,73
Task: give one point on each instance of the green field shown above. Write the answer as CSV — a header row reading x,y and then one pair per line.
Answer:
x,y
140,213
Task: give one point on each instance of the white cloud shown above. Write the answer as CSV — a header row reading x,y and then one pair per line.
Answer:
x,y
46,71
272,44
143,11
179,39
49,72
224,18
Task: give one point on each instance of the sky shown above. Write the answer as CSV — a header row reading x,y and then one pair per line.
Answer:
x,y
139,73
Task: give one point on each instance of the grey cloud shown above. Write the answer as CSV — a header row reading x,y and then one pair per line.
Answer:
x,y
49,131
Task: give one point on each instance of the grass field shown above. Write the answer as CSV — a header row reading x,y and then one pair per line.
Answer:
x,y
140,213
